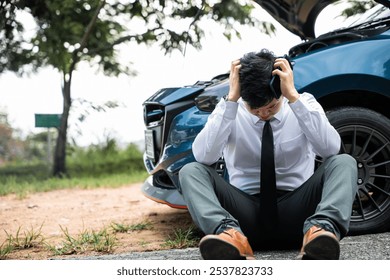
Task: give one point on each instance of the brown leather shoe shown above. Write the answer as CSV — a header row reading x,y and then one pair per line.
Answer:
x,y
319,244
228,245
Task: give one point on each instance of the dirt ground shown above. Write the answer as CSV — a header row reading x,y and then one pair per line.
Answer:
x,y
79,210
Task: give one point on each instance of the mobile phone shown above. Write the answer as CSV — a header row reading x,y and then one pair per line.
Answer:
x,y
274,83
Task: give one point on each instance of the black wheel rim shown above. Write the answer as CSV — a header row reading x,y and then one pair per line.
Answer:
x,y
371,149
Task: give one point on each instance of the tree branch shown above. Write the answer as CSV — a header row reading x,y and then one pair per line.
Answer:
x,y
90,26
84,40
120,41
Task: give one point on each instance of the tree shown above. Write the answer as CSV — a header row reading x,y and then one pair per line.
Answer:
x,y
71,31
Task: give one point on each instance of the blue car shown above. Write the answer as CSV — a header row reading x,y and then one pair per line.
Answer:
x,y
347,70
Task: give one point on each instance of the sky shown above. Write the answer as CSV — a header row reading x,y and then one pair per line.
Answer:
x,y
40,93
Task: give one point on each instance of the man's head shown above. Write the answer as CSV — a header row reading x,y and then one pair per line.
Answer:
x,y
255,75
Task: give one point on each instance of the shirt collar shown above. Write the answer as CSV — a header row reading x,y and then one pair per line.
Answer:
x,y
278,116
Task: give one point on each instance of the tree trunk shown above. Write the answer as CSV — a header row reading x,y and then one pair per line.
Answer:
x,y
59,168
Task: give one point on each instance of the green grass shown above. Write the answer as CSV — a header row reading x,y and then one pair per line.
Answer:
x,y
12,185
5,249
182,238
92,167
26,239
123,228
99,241
21,240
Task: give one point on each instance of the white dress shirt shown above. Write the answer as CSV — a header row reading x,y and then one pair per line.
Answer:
x,y
301,131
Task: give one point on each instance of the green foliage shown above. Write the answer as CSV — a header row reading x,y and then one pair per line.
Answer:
x,y
357,7
103,160
69,31
9,28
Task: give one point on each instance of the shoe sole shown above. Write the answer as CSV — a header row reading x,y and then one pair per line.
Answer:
x,y
322,248
217,249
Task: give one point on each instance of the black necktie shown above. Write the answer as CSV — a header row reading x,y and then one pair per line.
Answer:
x,y
268,207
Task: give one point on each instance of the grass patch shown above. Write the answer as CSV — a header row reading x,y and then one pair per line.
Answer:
x,y
26,239
122,228
12,185
20,241
182,238
91,167
5,249
100,241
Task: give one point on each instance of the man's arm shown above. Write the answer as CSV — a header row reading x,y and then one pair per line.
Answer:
x,y
210,142
311,117
315,125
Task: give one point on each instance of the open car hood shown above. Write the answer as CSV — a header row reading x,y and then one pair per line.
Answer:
x,y
299,16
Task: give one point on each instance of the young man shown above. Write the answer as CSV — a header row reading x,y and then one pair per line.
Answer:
x,y
246,212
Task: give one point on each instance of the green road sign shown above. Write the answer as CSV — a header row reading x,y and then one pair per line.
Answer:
x,y
47,120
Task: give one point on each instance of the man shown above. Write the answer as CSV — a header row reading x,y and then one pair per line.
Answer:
x,y
239,214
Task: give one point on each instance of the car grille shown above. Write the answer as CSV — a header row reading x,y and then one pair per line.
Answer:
x,y
154,115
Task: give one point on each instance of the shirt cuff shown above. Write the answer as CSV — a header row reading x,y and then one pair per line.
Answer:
x,y
229,109
300,107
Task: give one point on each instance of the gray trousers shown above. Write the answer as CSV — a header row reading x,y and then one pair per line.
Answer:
x,y
325,199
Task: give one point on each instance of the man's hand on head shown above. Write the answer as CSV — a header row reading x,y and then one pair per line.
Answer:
x,y
283,69
234,81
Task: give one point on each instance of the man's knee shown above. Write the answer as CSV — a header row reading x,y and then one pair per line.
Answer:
x,y
194,175
348,166
343,160
192,172
190,169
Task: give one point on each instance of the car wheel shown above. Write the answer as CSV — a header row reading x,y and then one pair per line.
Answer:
x,y
365,135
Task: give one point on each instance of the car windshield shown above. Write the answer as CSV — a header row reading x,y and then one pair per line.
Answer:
x,y
323,25
374,14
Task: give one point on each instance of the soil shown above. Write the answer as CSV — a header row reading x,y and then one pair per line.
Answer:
x,y
52,214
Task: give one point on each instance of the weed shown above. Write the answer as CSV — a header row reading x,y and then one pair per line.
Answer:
x,y
5,249
183,238
101,241
127,228
27,239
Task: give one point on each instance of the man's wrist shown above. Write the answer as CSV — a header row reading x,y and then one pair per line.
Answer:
x,y
293,98
229,98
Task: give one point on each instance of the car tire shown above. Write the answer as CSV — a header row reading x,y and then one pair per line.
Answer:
x,y
365,135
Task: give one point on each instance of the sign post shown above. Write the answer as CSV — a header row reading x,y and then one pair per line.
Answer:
x,y
48,121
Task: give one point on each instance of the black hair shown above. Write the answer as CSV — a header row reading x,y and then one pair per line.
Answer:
x,y
255,75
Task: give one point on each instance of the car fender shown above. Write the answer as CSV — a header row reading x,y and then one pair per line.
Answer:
x,y
366,67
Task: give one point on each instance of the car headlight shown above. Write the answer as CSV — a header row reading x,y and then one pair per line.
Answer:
x,y
207,103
